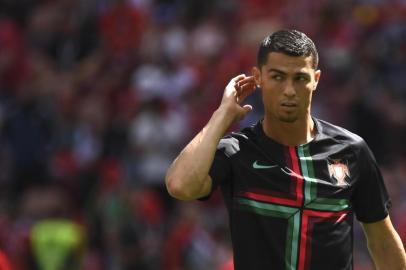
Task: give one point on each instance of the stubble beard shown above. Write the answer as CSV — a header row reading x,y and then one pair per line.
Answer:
x,y
282,118
288,119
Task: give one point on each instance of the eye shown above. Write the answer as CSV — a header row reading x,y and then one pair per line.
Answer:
x,y
277,77
302,78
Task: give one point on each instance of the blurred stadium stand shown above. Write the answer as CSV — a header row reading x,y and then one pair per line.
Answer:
x,y
98,96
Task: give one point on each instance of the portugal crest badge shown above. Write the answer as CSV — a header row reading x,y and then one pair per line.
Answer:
x,y
338,170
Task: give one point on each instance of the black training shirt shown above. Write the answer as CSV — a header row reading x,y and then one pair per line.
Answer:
x,y
292,207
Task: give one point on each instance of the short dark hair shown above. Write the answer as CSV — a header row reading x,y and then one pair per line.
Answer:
x,y
290,42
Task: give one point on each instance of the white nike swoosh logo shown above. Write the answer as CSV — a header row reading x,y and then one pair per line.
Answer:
x,y
255,165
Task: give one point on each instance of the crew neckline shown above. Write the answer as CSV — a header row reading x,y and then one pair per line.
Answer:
x,y
260,131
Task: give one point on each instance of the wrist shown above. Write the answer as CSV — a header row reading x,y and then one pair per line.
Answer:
x,y
219,123
224,116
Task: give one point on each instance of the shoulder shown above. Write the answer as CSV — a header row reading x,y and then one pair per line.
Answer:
x,y
338,133
231,143
341,135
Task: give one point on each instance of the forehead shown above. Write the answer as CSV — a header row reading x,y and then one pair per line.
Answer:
x,y
288,63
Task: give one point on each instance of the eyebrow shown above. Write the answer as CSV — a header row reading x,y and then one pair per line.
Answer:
x,y
275,70
281,72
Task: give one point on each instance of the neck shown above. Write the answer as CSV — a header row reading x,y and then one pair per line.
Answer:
x,y
291,134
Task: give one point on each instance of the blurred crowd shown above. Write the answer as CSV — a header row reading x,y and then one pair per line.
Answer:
x,y
98,96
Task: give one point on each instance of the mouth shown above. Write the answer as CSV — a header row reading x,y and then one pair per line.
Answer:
x,y
289,104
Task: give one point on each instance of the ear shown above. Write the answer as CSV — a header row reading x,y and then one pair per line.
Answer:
x,y
257,76
317,75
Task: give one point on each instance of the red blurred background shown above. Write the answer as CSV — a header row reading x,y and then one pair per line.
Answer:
x,y
98,96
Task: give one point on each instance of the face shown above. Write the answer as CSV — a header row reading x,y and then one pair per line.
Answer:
x,y
287,84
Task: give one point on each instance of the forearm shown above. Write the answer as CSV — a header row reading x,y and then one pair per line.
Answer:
x,y
187,177
389,253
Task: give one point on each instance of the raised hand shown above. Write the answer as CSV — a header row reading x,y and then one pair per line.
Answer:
x,y
237,90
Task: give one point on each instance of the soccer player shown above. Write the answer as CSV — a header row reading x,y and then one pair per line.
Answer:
x,y
291,182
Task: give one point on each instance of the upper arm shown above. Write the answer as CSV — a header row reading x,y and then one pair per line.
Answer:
x,y
206,188
220,171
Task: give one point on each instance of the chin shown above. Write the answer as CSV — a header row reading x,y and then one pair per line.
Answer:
x,y
288,119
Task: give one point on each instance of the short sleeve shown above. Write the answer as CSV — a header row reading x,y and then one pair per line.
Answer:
x,y
220,170
371,200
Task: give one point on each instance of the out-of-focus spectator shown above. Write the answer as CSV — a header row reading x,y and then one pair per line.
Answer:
x,y
121,27
14,66
57,244
4,262
98,96
154,134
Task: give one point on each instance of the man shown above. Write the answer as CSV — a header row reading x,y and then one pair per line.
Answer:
x,y
291,182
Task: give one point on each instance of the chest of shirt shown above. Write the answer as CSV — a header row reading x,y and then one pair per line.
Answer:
x,y
295,176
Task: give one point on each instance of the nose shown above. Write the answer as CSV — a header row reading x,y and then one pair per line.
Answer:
x,y
289,89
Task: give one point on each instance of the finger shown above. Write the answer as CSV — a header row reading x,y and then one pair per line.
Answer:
x,y
238,87
238,78
247,108
244,111
247,85
240,83
235,81
232,87
247,91
247,79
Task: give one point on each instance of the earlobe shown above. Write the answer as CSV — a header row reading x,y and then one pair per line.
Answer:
x,y
315,86
257,76
317,79
317,76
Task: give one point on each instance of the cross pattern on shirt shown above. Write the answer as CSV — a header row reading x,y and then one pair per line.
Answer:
x,y
301,211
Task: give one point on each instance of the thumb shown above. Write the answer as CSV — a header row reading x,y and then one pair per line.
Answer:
x,y
243,112
247,109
